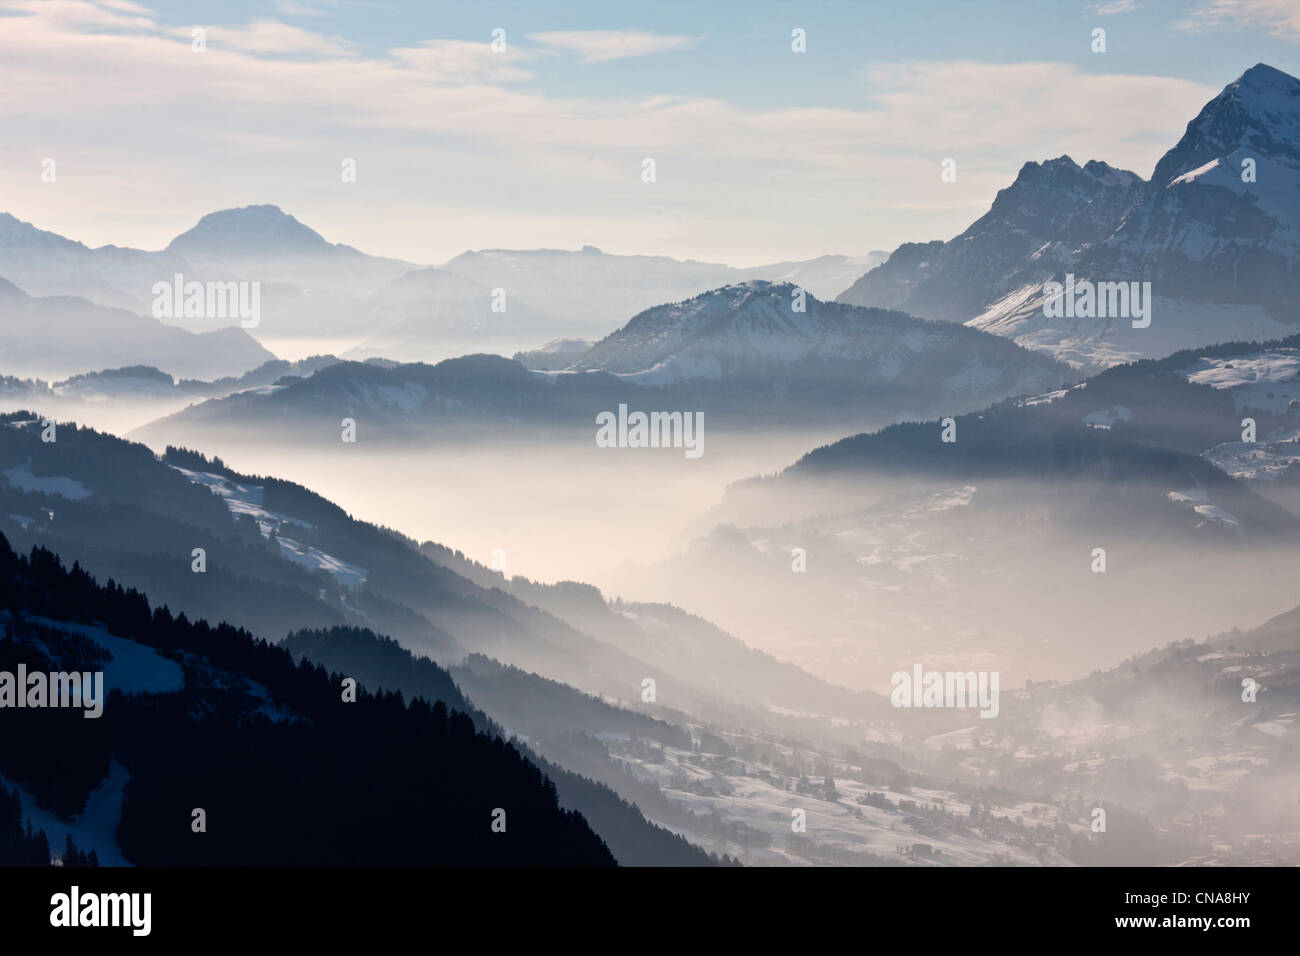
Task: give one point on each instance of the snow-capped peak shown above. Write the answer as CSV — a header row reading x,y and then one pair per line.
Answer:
x,y
1259,111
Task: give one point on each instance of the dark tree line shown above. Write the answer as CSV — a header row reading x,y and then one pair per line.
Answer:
x,y
20,846
539,704
313,780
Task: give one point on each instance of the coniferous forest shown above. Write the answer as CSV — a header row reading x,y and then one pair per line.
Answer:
x,y
378,780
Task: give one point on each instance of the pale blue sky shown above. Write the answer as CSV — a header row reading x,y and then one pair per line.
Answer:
x,y
761,153
1151,36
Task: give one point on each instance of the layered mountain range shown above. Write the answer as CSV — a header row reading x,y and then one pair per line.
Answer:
x,y
339,297
1031,533
1043,496
57,336
729,353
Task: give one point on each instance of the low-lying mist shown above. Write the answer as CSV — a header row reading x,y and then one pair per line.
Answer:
x,y
852,579
1037,579
558,510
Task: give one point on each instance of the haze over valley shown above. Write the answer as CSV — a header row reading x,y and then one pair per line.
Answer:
x,y
917,532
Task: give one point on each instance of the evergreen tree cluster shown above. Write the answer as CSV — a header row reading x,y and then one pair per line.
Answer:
x,y
21,846
317,780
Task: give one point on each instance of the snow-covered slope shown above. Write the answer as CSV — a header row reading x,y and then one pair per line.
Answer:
x,y
554,355
1264,385
245,499
763,332
1091,344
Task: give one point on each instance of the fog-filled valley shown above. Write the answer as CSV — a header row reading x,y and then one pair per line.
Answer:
x,y
916,557
562,510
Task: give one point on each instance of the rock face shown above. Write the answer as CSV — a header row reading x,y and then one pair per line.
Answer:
x,y
1220,220
1216,232
1036,225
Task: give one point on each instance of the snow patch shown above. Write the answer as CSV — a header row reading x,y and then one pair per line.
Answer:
x,y
1108,417
95,828
21,477
247,500
1264,380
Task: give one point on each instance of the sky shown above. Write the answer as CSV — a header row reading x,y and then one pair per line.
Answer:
x,y
760,153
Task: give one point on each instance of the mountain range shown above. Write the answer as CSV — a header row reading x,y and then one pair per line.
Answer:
x,y
747,355
599,291
980,532
57,336
534,691
119,399
1089,508
333,295
1214,232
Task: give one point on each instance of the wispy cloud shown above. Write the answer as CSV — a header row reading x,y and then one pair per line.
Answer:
x,y
450,132
1114,7
280,39
601,46
126,6
300,8
1281,18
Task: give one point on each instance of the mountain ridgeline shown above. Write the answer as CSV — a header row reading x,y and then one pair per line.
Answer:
x,y
725,353
1215,231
